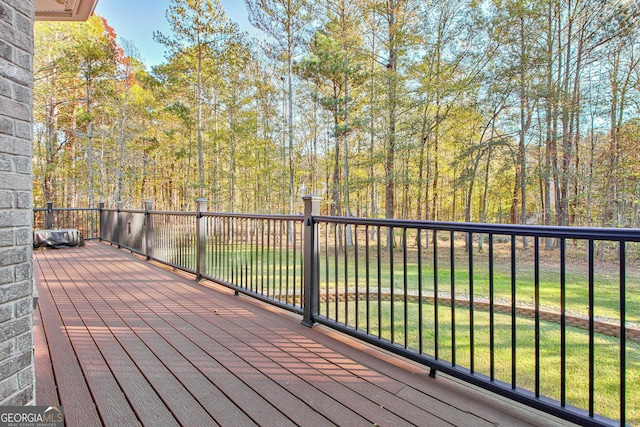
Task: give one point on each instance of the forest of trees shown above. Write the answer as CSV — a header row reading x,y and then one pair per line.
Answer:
x,y
510,111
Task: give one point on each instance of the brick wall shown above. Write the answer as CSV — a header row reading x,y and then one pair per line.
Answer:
x,y
17,381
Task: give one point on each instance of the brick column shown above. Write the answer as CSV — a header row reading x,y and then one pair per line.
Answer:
x,y
17,376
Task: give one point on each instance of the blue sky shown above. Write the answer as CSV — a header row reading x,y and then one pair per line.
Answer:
x,y
136,20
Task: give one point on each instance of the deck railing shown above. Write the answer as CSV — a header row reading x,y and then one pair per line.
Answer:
x,y
86,220
546,316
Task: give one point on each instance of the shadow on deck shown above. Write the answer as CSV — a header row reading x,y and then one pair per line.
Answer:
x,y
123,342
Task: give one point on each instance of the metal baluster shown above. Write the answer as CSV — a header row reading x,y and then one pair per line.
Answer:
x,y
420,320
436,320
536,288
472,359
623,333
367,277
492,332
405,287
452,262
513,313
591,328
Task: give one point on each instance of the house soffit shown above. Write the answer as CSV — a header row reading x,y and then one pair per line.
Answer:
x,y
64,10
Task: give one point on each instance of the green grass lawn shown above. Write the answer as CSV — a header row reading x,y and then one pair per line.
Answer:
x,y
334,271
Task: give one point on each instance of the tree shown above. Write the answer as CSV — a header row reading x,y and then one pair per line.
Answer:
x,y
501,110
622,62
333,72
77,71
237,59
286,21
126,77
453,63
200,29
51,101
95,54
514,27
394,23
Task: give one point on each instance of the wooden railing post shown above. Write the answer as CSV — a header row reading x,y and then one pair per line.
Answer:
x,y
148,233
118,222
48,219
310,260
201,233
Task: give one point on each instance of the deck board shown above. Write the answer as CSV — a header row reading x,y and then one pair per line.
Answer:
x,y
111,402
170,387
73,390
46,390
121,341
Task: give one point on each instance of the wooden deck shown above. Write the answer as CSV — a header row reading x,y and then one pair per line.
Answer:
x,y
123,342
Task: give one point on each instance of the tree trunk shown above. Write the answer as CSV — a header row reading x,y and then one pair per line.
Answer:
x,y
123,120
392,101
199,120
90,144
345,150
290,119
232,153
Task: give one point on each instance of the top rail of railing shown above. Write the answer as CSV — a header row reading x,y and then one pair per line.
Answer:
x,y
67,209
544,231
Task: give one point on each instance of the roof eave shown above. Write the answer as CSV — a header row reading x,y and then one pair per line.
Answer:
x,y
78,10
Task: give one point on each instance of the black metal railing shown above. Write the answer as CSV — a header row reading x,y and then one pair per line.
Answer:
x,y
259,255
546,316
86,220
550,328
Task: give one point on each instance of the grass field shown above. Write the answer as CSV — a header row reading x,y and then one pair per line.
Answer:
x,y
394,270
